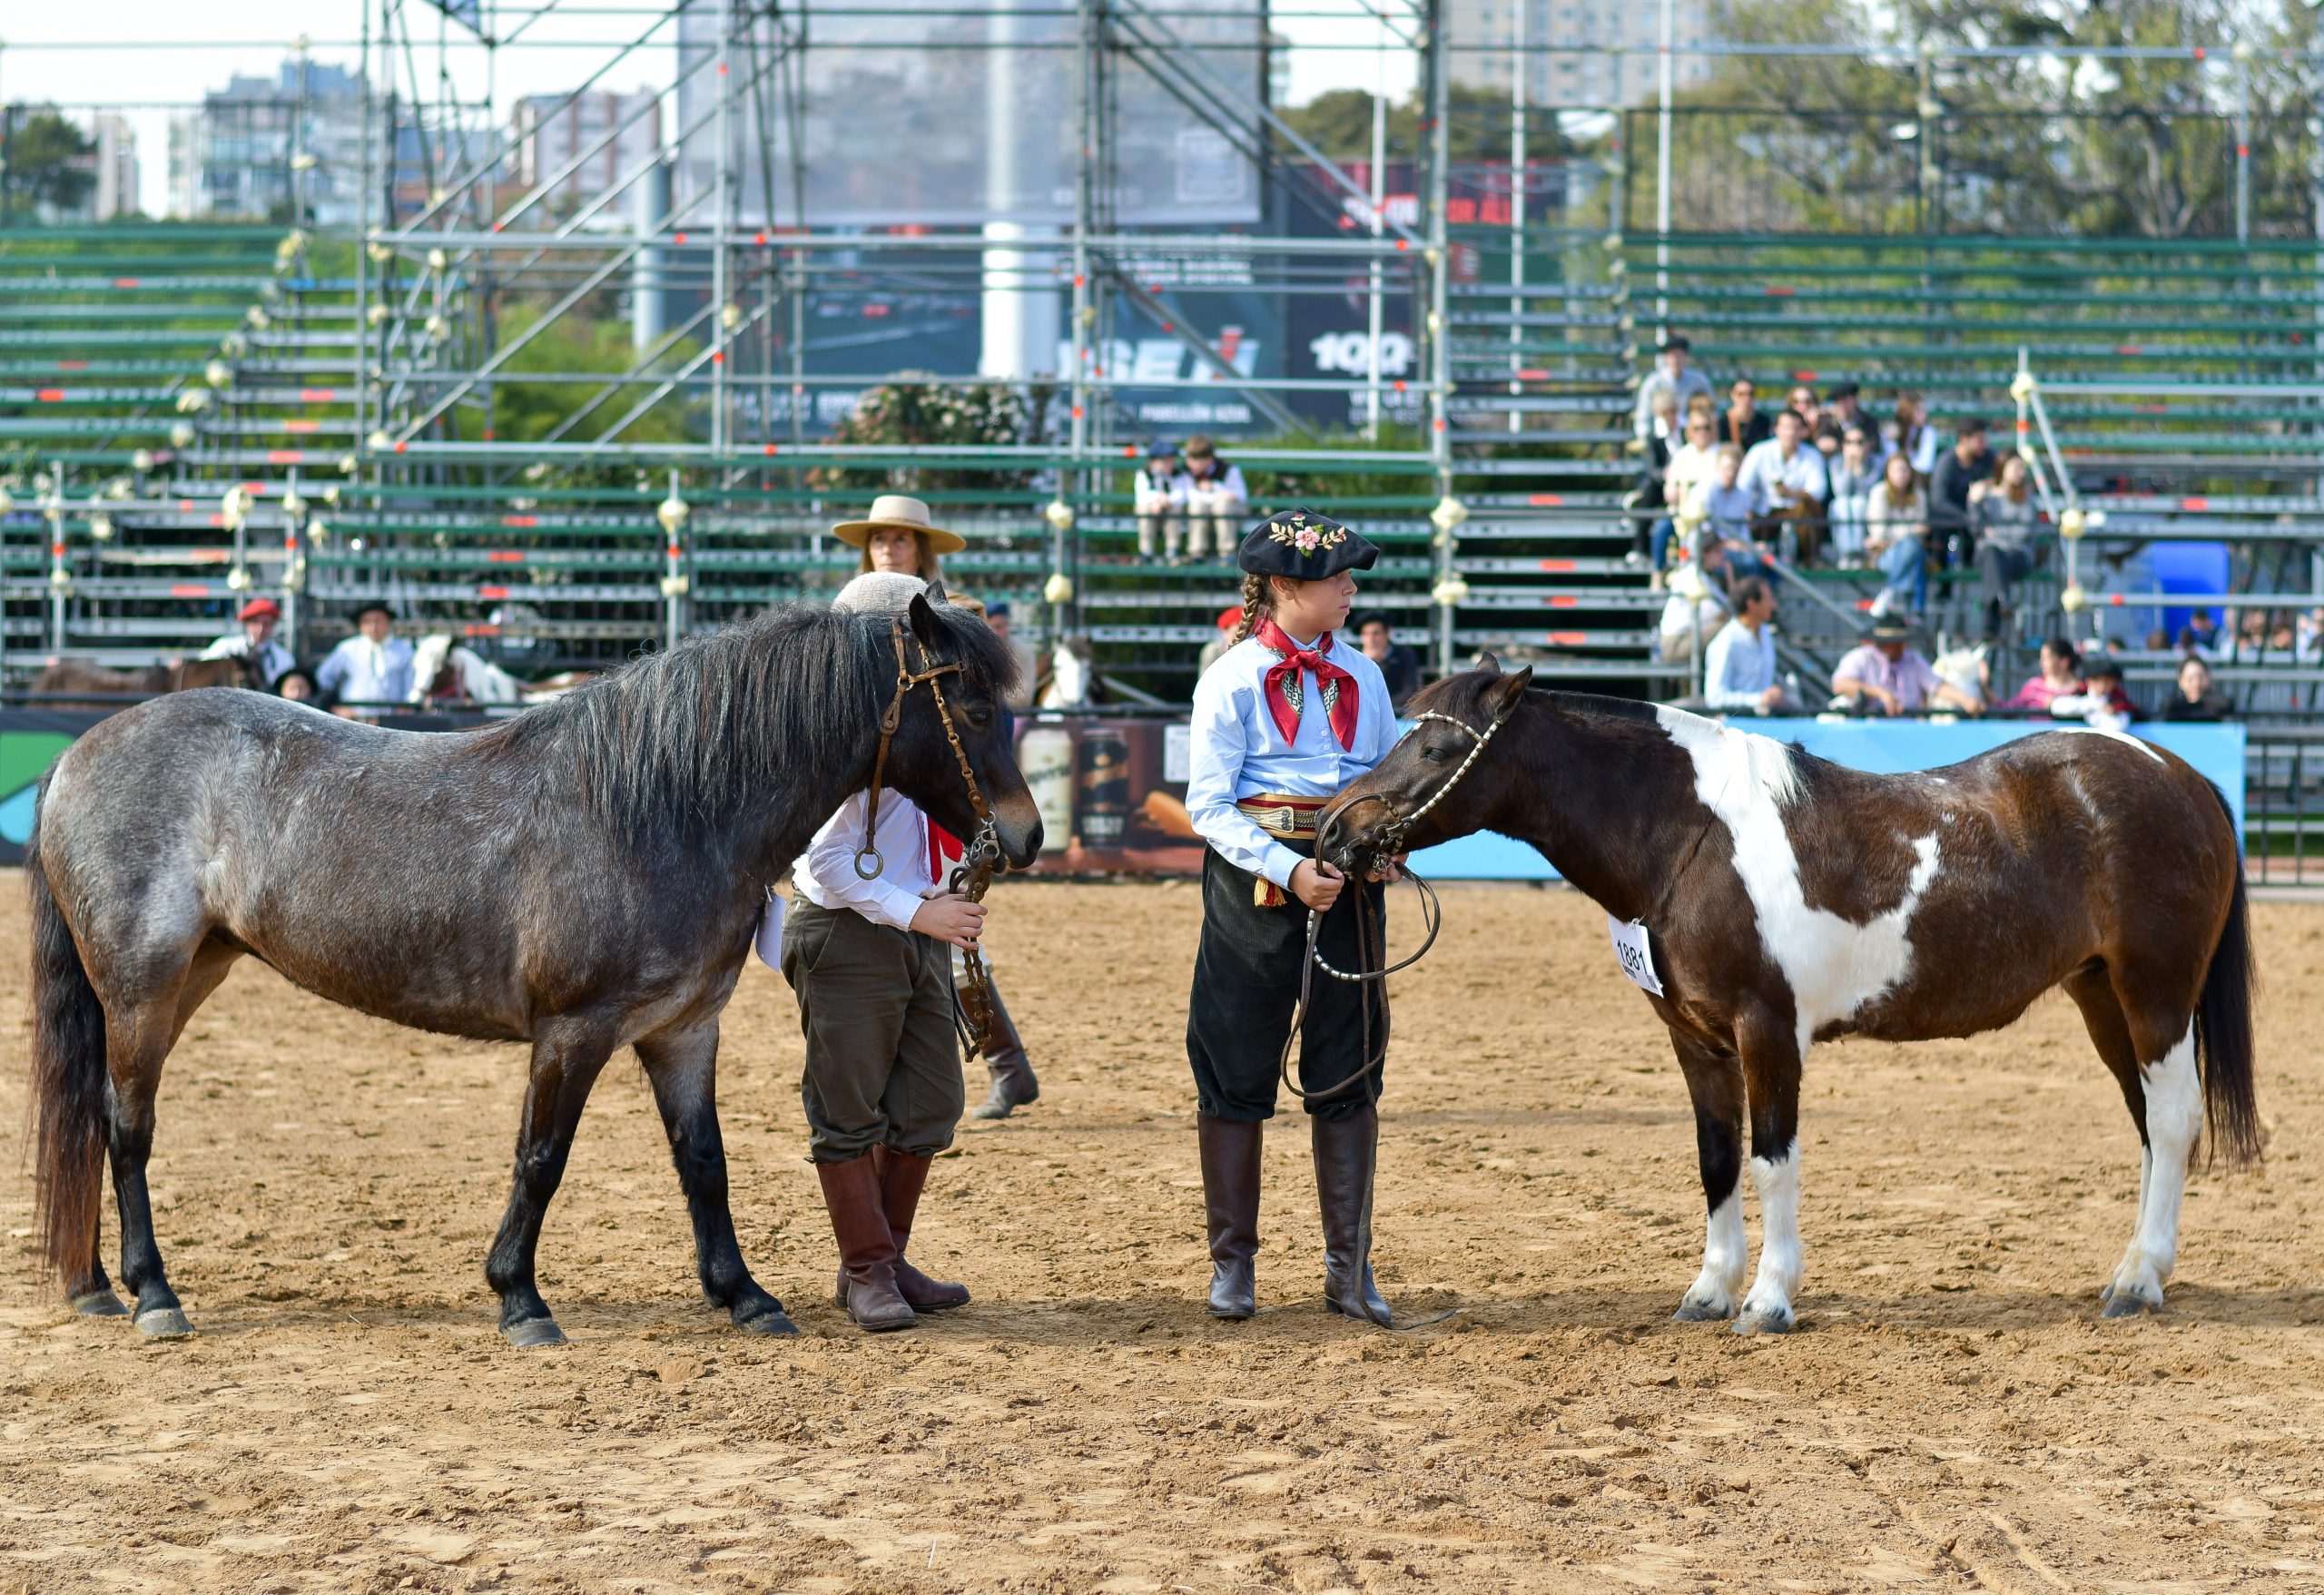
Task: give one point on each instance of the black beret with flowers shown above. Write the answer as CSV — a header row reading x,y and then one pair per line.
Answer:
x,y
1302,544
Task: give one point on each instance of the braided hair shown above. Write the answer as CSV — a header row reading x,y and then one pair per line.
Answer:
x,y
1258,602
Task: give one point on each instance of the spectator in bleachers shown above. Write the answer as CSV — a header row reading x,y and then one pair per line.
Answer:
x,y
1650,496
1698,606
2060,677
297,684
1673,377
2197,698
1970,462
255,642
1853,476
1723,505
1229,618
1740,665
998,621
1161,503
1741,423
1691,465
1911,436
1895,537
2307,636
1786,478
2002,513
1886,674
1217,501
369,669
1843,403
1802,402
1399,666
2101,701
2199,638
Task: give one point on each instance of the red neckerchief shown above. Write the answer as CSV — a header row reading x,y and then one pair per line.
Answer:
x,y
943,848
1284,688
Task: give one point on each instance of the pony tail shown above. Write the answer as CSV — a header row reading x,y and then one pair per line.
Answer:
x,y
1258,600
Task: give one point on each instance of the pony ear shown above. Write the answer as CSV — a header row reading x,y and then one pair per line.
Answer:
x,y
1488,664
924,623
936,593
1505,694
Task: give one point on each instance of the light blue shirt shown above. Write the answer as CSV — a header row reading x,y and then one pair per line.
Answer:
x,y
361,671
1738,666
1238,750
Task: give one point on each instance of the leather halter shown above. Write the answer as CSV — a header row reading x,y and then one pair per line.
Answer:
x,y
972,1014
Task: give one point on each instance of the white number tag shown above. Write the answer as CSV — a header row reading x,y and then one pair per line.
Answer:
x,y
769,939
1636,958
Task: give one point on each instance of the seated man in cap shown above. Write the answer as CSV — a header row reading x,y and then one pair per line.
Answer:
x,y
370,669
1886,676
255,642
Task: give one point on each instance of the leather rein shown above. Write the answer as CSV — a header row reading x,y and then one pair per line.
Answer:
x,y
972,1009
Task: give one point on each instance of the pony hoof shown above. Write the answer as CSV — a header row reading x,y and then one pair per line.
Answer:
x,y
165,1324
527,1333
1696,1311
99,1303
2128,1303
771,1320
1765,1321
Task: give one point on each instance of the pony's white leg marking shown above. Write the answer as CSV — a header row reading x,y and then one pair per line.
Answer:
x,y
1726,1255
1768,1309
2174,1122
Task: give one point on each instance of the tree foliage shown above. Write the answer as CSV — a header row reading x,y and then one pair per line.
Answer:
x,y
937,413
50,162
1339,123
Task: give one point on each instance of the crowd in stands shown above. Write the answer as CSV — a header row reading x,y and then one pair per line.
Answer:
x,y
1823,481
1190,504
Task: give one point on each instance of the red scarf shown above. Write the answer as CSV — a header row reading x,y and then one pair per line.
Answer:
x,y
1338,687
943,848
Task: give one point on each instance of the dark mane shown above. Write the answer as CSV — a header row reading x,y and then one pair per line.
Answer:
x,y
682,743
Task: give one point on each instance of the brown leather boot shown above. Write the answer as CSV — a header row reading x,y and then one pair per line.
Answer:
x,y
867,1251
1230,1194
1013,1084
1346,1151
901,1175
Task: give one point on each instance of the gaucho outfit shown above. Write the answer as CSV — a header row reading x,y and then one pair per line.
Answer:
x,y
881,1088
1280,725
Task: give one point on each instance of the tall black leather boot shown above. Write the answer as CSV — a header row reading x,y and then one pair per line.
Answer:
x,y
1013,1083
1230,1194
1345,1152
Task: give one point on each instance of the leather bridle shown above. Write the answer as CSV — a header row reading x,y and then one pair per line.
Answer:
x,y
972,1006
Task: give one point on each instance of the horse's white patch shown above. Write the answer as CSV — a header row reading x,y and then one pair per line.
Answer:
x,y
2174,1122
1834,968
1726,1256
2111,734
1781,1263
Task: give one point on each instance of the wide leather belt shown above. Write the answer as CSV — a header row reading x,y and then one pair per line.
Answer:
x,y
1282,816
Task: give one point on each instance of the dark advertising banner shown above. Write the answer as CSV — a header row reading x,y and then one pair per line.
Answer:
x,y
1112,794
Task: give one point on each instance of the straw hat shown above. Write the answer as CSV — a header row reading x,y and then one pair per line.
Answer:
x,y
894,509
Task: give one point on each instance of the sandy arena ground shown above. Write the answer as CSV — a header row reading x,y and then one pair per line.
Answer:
x,y
1953,1414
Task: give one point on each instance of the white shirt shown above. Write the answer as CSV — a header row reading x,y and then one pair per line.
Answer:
x,y
1765,468
1159,493
1739,666
1238,752
1225,483
825,873
272,658
361,671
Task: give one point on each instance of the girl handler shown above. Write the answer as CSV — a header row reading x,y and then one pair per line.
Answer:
x,y
1281,721
896,536
868,962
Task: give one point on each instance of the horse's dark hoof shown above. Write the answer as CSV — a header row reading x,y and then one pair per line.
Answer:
x,y
527,1333
1703,1309
165,1324
769,1319
2127,1304
1765,1321
99,1303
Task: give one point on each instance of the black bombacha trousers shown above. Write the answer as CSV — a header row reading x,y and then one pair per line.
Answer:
x,y
1247,986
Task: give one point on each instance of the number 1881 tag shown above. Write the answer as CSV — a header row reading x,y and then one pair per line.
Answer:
x,y
1637,957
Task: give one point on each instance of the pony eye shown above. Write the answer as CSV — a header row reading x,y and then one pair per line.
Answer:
x,y
1435,755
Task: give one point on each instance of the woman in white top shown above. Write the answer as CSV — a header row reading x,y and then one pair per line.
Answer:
x,y
1895,525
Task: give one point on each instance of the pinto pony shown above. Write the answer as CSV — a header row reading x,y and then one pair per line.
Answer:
x,y
1789,900
584,877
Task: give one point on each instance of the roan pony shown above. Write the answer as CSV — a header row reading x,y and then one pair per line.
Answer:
x,y
583,876
1789,900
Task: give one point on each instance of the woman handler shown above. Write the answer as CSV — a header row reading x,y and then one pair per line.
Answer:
x,y
1281,721
897,537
